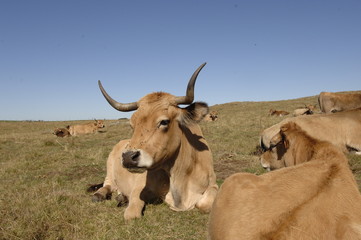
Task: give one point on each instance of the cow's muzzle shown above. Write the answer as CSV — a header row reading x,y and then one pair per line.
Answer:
x,y
131,161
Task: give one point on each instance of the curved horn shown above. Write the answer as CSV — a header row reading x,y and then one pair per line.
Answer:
x,y
188,99
123,107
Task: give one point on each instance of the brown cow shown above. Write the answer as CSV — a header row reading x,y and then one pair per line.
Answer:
x,y
165,138
318,199
278,113
336,102
86,128
62,132
342,129
211,117
307,110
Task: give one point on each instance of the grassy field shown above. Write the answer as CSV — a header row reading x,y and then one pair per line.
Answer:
x,y
44,178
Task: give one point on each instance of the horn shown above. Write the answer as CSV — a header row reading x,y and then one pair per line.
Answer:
x,y
188,99
123,107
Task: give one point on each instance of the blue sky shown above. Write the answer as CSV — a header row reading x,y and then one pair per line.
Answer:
x,y
52,53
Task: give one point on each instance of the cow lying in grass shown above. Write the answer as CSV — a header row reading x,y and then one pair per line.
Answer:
x,y
86,128
61,132
167,151
336,102
318,198
342,129
278,113
307,110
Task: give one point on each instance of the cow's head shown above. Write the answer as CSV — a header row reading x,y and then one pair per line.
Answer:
x,y
289,147
99,123
274,157
213,115
158,125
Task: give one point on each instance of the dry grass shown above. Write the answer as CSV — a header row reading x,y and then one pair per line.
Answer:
x,y
44,178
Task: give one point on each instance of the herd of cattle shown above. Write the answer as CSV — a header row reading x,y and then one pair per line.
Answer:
x,y
313,196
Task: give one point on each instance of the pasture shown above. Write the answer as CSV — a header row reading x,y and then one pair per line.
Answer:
x,y
44,178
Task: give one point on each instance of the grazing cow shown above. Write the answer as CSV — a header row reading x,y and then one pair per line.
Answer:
x,y
62,132
86,128
281,113
318,199
165,138
342,129
307,110
336,102
211,117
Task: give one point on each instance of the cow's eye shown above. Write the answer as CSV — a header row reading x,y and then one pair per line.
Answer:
x,y
164,123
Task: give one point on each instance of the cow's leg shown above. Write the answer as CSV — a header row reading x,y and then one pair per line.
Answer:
x,y
135,206
104,192
121,199
205,203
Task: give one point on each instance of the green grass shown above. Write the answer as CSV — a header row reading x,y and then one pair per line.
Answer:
x,y
44,178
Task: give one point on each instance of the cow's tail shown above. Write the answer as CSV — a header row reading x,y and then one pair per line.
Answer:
x,y
94,187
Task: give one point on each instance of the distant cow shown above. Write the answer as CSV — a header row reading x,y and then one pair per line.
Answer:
x,y
278,113
211,117
166,138
307,110
62,132
336,102
342,129
318,199
86,128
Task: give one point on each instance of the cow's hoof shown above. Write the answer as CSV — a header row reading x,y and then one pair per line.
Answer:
x,y
97,197
121,199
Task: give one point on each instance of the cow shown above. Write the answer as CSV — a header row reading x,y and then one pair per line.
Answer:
x,y
336,102
315,198
86,128
62,132
278,113
211,117
307,110
165,138
341,128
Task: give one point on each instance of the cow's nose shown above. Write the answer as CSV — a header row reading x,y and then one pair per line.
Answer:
x,y
130,159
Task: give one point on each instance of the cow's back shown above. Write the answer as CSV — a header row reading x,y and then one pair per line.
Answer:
x,y
82,129
339,128
289,204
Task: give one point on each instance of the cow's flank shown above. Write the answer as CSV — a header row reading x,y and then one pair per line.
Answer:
x,y
336,102
86,128
341,129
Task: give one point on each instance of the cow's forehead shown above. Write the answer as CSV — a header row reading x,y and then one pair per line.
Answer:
x,y
154,105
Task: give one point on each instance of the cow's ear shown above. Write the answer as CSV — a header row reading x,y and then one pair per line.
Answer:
x,y
276,139
195,112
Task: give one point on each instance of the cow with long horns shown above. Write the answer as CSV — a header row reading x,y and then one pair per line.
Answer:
x,y
168,139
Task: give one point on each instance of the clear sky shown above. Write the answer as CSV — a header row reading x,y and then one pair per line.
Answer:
x,y
52,53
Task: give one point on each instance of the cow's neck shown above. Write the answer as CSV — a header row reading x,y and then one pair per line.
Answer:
x,y
182,164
